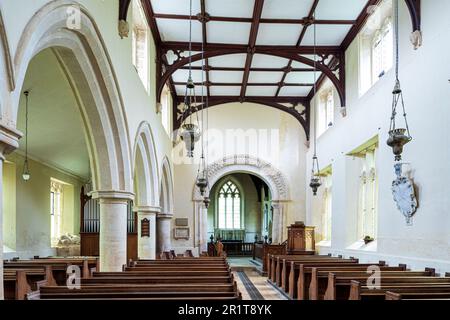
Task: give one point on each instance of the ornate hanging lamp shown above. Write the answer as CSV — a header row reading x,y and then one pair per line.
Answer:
x,y
202,176
398,136
26,171
190,133
315,182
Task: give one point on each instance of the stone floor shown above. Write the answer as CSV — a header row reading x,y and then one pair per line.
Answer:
x,y
251,284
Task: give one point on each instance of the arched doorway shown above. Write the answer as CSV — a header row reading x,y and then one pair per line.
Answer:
x,y
271,176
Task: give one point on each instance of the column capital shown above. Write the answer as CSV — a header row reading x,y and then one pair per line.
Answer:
x,y
113,195
9,139
147,209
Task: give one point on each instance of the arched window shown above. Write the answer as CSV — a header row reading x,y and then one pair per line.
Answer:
x,y
382,50
229,204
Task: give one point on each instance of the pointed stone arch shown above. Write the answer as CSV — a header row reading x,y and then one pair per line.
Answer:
x,y
166,191
84,58
145,167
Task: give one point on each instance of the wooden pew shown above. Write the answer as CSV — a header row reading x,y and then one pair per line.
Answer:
x,y
300,275
363,292
17,283
275,263
336,285
425,294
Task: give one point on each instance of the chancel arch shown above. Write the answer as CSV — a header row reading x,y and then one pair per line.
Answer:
x,y
146,186
274,179
82,55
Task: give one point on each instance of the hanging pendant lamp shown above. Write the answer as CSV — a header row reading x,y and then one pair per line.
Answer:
x,y
398,136
26,171
315,181
190,133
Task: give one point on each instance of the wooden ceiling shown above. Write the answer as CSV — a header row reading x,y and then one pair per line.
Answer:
x,y
256,50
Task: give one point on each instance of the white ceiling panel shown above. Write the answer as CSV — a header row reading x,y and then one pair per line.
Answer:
x,y
180,90
230,8
339,10
263,91
178,30
294,91
226,76
287,9
301,77
230,60
175,6
182,76
296,64
264,77
225,91
327,35
264,61
228,32
278,34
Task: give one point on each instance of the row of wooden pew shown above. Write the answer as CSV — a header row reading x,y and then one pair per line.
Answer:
x,y
178,279
321,277
23,276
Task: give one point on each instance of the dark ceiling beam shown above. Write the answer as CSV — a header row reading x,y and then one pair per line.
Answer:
x,y
197,46
414,11
257,13
203,20
273,102
250,20
360,22
308,20
123,9
238,84
211,68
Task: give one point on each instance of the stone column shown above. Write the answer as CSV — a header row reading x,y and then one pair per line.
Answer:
x,y
201,226
278,222
9,141
147,245
113,229
163,231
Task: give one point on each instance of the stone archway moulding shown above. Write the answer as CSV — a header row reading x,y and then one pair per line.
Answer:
x,y
84,58
247,164
148,192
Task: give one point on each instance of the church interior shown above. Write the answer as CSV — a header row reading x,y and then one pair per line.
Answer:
x,y
224,150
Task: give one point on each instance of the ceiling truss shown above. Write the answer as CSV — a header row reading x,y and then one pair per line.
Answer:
x,y
330,62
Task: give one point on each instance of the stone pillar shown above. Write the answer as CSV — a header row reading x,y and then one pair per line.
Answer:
x,y
113,229
163,231
278,222
201,226
147,245
9,141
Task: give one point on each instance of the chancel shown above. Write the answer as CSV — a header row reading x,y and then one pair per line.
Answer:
x,y
224,150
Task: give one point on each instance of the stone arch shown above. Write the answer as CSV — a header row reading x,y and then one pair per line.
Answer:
x,y
82,54
274,179
145,167
166,191
7,82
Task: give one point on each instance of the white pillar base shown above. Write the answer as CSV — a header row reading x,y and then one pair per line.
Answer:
x,y
164,235
113,229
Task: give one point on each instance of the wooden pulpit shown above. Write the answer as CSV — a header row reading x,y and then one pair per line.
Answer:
x,y
300,239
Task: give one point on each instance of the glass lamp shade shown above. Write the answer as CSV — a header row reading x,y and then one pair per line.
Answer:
x,y
190,135
206,201
202,183
26,176
26,172
397,139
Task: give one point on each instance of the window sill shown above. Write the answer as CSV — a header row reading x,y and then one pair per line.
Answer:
x,y
361,246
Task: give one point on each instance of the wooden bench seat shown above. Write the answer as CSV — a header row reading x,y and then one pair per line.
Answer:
x,y
300,274
181,272
362,292
443,294
336,285
135,278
